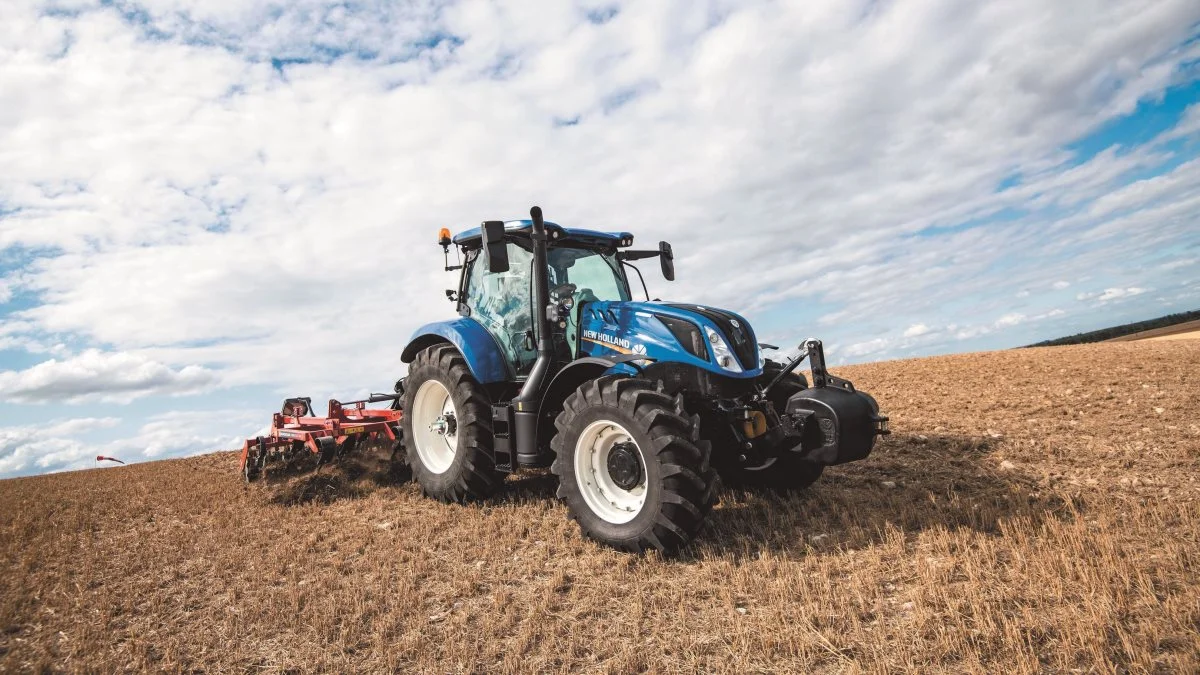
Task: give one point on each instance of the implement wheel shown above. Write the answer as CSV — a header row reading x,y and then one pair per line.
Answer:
x,y
631,466
448,428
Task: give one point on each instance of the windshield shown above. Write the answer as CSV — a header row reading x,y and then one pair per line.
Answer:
x,y
596,275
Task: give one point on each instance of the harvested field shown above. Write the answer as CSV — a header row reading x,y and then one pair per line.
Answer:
x,y
1035,511
1188,330
1187,335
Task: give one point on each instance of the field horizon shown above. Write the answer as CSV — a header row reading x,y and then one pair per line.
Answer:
x,y
1035,510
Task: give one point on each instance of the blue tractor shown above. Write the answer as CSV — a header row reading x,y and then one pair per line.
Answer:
x,y
640,409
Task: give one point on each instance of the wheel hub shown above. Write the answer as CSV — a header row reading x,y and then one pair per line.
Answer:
x,y
444,425
624,467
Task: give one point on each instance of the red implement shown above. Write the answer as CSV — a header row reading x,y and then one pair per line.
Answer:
x,y
295,433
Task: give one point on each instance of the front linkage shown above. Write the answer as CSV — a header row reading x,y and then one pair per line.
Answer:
x,y
828,423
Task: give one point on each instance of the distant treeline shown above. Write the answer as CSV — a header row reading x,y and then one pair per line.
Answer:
x,y
1120,331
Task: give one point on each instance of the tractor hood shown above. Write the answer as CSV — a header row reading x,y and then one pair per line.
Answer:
x,y
714,339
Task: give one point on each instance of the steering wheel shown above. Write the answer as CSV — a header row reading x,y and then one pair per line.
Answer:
x,y
563,292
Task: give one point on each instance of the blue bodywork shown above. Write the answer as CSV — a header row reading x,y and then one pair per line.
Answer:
x,y
609,328
606,328
477,346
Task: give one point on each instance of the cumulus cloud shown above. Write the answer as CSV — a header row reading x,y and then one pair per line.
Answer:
x,y
37,448
916,329
103,376
206,191
63,445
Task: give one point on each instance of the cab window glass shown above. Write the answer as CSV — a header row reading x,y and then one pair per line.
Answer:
x,y
596,275
501,303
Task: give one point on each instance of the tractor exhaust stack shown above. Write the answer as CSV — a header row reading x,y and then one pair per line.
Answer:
x,y
526,403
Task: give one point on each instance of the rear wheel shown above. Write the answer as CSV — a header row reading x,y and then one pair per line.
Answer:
x,y
448,428
631,467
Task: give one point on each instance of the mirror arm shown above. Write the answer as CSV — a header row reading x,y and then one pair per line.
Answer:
x,y
637,255
643,279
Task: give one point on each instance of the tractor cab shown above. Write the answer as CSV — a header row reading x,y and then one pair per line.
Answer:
x,y
581,266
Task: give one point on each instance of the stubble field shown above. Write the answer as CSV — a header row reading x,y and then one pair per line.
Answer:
x,y
1035,510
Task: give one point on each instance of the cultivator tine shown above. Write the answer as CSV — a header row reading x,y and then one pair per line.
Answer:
x,y
296,434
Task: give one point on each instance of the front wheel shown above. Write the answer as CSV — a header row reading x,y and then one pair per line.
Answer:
x,y
631,466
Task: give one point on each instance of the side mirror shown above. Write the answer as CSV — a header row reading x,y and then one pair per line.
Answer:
x,y
666,257
495,250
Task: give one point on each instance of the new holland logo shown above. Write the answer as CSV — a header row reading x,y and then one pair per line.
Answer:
x,y
639,349
606,339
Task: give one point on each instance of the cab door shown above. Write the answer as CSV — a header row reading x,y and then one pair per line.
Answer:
x,y
502,303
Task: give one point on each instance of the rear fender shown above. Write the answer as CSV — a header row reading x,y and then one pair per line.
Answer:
x,y
472,340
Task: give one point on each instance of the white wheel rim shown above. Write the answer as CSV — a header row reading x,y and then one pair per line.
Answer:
x,y
434,425
603,496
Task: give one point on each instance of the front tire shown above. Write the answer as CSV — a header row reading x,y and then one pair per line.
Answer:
x,y
448,428
631,466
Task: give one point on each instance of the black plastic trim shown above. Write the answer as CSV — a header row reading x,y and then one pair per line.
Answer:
x,y
740,336
687,334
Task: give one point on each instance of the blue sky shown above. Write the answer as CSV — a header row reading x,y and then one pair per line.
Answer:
x,y
208,206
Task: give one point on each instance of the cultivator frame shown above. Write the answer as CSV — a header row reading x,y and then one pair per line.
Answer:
x,y
295,433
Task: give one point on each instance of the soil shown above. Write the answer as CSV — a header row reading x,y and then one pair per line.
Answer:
x,y
1035,510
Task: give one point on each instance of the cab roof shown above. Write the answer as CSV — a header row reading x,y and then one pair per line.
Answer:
x,y
473,237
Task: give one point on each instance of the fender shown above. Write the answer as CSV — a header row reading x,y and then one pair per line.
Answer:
x,y
568,380
472,340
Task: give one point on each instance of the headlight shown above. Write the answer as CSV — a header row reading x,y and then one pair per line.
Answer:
x,y
722,352
567,302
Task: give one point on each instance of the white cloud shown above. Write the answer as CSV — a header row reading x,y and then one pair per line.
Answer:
x,y
1114,293
1109,294
1010,320
63,444
75,427
103,376
185,432
46,447
916,329
972,332
210,219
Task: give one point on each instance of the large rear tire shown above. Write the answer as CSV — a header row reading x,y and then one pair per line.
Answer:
x,y
448,428
631,466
